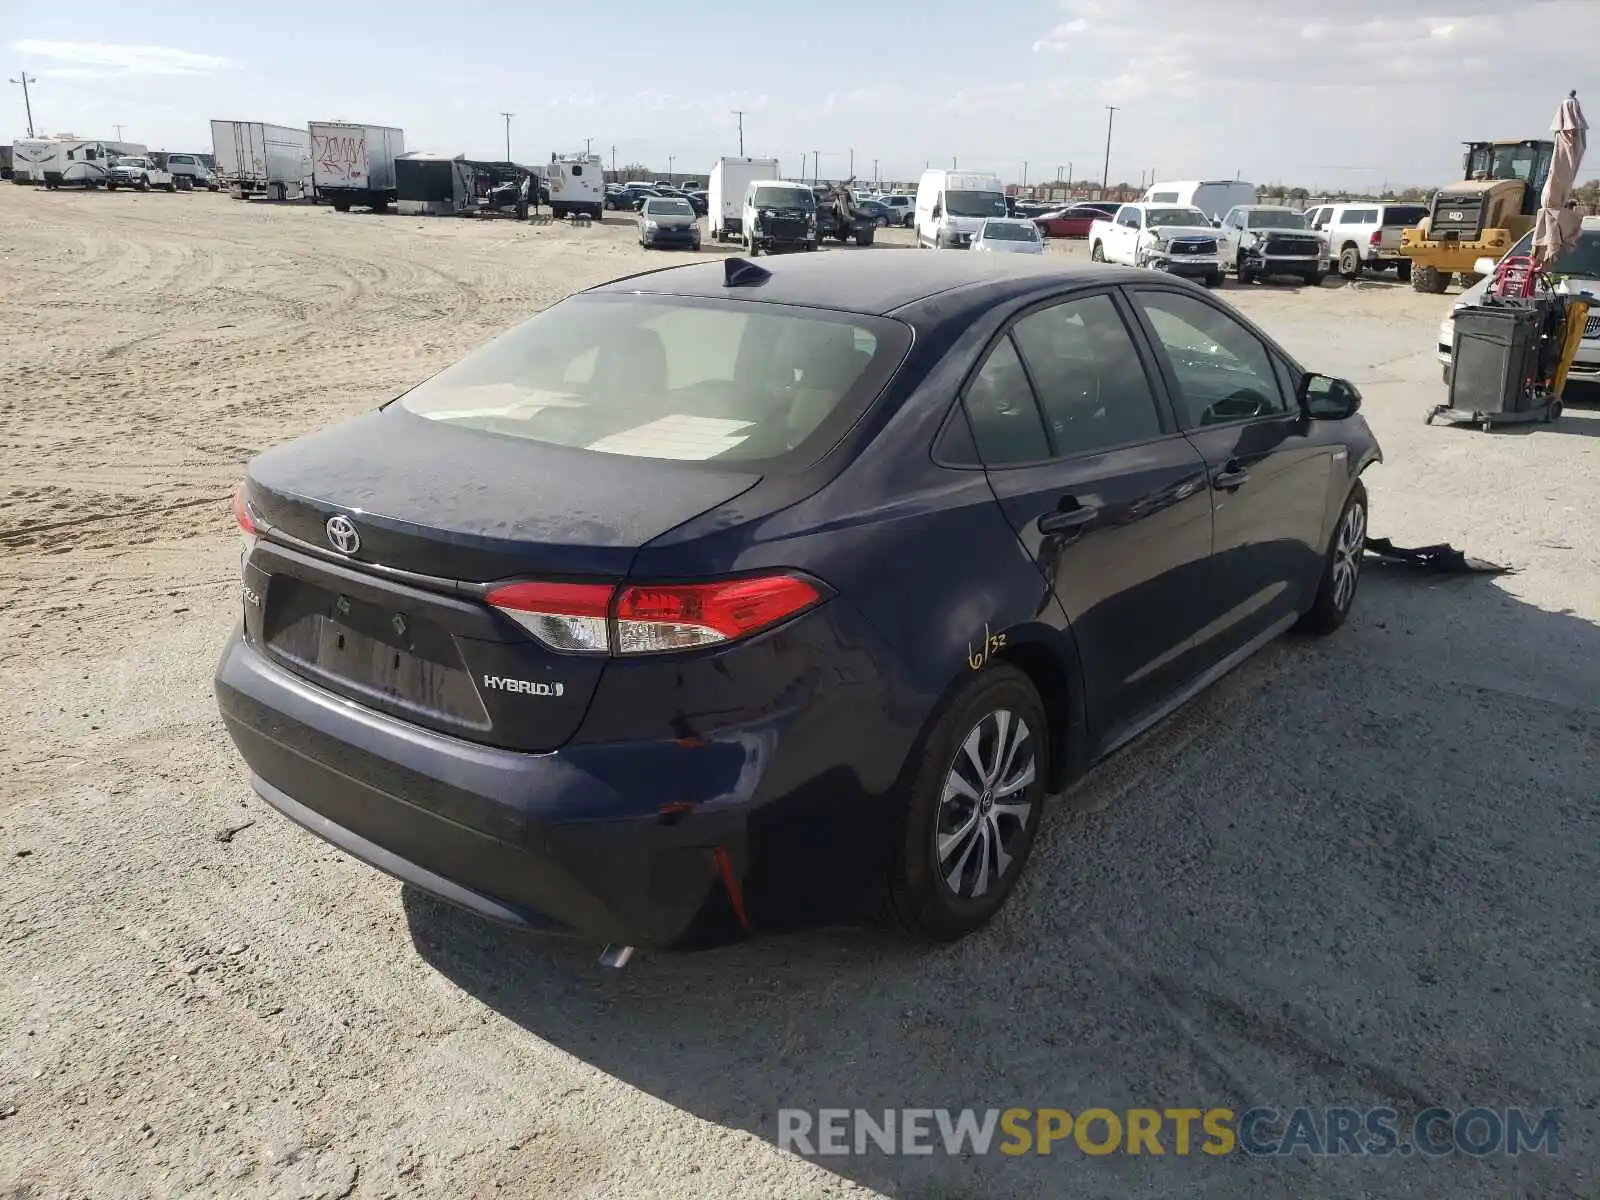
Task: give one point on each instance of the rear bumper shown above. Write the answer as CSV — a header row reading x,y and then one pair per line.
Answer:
x,y
673,844
672,237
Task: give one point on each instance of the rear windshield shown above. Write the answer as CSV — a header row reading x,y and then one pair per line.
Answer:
x,y
671,378
1404,214
668,208
1002,231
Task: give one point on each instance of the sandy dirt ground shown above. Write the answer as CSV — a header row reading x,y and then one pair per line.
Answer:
x,y
1358,871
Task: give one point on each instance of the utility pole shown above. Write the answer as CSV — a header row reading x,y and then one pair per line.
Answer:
x,y
953,163
816,156
586,144
670,161
874,170
508,117
739,112
1024,172
613,164
1105,174
852,162
25,79
118,128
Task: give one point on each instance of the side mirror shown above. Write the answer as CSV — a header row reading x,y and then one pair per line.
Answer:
x,y
1323,398
937,212
1484,266
1216,224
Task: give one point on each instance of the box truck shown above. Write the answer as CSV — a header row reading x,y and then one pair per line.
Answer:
x,y
725,194
576,184
256,159
353,165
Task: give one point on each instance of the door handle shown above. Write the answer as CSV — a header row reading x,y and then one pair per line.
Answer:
x,y
1073,517
1231,478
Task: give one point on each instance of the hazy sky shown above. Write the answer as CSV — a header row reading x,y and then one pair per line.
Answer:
x,y
1332,92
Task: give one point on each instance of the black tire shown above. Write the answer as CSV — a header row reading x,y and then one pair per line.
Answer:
x,y
171,187
1402,271
1332,605
1097,253
1245,274
1469,279
141,184
881,222
1429,280
1314,279
919,900
341,206
911,219
1350,262
1215,279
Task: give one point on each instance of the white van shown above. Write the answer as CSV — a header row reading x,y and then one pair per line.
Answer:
x,y
1214,197
953,205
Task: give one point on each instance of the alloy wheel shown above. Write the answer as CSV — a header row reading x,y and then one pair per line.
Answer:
x,y
984,810
1348,546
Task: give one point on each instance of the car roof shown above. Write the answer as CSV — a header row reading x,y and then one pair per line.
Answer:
x,y
869,283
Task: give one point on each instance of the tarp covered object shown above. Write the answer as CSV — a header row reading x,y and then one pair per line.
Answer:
x,y
1557,226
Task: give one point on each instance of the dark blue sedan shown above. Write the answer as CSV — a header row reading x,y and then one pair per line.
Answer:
x,y
731,597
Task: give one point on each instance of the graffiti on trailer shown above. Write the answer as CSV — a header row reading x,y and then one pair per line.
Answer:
x,y
345,155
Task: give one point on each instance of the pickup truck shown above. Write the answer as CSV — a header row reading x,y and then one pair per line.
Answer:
x,y
139,173
1160,237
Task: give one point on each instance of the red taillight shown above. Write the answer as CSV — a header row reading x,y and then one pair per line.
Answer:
x,y
1377,236
247,524
566,616
241,514
649,618
681,616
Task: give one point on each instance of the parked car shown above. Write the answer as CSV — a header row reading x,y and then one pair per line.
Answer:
x,y
700,200
748,616
878,211
1577,272
1031,208
1262,240
668,221
1010,235
902,209
1366,235
1073,222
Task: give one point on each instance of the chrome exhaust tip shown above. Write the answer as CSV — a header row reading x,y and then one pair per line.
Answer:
x,y
615,956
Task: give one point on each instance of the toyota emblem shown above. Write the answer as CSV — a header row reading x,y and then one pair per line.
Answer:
x,y
342,535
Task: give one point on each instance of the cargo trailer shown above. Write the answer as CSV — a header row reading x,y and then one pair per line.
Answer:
x,y
258,159
725,194
353,165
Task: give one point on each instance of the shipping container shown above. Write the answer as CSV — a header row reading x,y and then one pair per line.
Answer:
x,y
255,158
352,165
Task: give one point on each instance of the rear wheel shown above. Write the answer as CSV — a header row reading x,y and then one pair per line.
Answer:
x,y
1349,262
1246,275
1429,280
1098,253
1341,571
1469,279
973,808
1314,279
1403,271
1215,279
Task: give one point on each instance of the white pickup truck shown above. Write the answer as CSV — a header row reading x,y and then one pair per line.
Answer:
x,y
1160,237
138,172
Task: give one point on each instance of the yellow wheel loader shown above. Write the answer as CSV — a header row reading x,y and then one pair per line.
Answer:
x,y
1480,217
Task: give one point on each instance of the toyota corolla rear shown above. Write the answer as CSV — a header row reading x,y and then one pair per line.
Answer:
x,y
451,666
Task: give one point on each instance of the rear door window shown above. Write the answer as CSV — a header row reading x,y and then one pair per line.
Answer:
x,y
1004,415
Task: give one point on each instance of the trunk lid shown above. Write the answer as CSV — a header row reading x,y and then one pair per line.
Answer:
x,y
394,617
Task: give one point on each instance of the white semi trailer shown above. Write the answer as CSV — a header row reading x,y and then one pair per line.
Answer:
x,y
258,159
352,165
